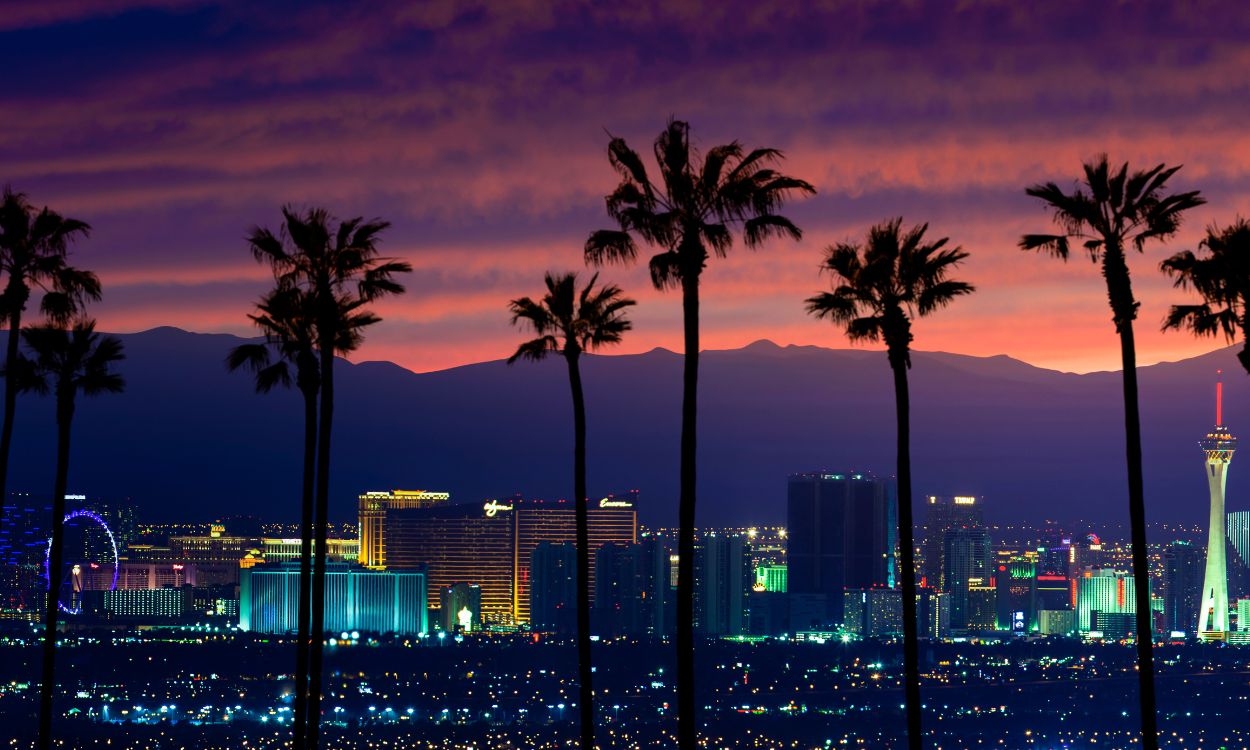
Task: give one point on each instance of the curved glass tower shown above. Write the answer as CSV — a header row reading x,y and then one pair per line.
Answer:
x,y
1218,446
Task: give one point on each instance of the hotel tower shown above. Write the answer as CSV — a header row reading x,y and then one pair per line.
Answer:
x,y
1218,446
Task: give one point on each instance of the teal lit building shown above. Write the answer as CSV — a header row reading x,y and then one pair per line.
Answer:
x,y
357,599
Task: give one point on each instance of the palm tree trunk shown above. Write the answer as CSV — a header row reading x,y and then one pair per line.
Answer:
x,y
303,641
1137,523
907,547
56,557
319,546
581,514
10,406
687,728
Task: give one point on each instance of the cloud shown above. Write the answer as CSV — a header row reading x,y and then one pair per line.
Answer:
x,y
479,129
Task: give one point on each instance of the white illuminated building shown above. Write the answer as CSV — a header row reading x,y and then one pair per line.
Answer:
x,y
1218,446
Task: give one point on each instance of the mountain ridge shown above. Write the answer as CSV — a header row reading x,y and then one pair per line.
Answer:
x,y
189,440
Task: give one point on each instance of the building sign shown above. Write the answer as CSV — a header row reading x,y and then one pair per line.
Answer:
x,y
492,507
611,502
1017,622
965,500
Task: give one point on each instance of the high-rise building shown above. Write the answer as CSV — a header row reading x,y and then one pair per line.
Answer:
x,y
23,545
148,603
1182,586
553,587
634,591
612,519
981,608
371,511
843,533
1056,622
1015,595
941,515
1084,551
770,578
1238,554
357,599
492,544
723,576
873,613
1217,447
967,557
460,607
1102,590
1052,592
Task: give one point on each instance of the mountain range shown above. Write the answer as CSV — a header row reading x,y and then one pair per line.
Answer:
x,y
190,441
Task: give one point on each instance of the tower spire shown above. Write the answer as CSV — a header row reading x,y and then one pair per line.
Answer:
x,y
1219,397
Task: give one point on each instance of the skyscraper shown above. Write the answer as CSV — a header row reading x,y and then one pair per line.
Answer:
x,y
1182,585
843,532
967,557
943,514
634,588
492,544
1217,447
1103,590
723,573
553,587
371,518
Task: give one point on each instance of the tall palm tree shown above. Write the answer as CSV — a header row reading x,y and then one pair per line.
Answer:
x,y
568,323
1109,212
1222,279
692,213
338,266
64,361
34,246
879,288
284,317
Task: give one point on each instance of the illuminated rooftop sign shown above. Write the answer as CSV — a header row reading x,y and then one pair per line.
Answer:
x,y
492,508
611,502
965,500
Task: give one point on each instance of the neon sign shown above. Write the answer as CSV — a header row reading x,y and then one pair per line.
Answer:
x,y
609,502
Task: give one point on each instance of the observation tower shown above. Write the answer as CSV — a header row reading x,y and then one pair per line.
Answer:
x,y
1218,447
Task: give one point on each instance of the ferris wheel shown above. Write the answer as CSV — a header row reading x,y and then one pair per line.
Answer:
x,y
89,562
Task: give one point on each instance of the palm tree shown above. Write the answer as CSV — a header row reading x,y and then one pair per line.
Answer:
x,y
1110,212
340,270
691,214
283,316
568,323
1222,279
63,361
879,288
33,254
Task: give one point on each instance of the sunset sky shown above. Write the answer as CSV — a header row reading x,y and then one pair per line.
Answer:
x,y
480,130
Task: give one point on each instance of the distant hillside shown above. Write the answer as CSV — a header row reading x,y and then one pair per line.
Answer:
x,y
188,439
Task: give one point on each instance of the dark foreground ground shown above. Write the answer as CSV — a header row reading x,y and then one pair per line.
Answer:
x,y
203,690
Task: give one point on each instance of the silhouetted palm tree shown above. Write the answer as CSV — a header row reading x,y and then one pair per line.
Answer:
x,y
33,250
284,317
879,288
691,214
1222,279
63,361
1110,212
339,269
568,323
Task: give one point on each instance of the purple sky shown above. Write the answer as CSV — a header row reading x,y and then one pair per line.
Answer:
x,y
479,130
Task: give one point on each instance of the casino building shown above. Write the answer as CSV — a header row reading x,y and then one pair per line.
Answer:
x,y
374,601
492,544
